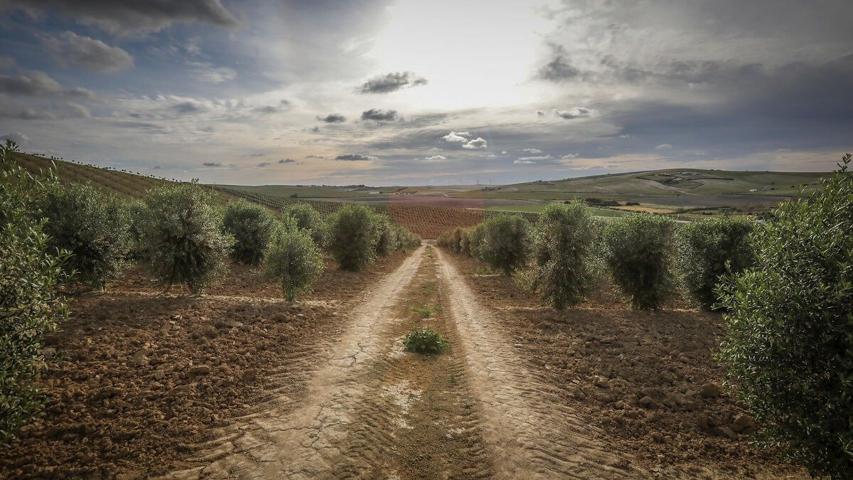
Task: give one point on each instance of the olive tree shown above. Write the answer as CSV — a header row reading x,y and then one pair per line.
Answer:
x,y
562,247
352,237
638,251
30,304
789,341
251,225
183,236
293,259
506,242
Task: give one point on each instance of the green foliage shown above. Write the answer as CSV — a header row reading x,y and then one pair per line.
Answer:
x,y
352,237
789,344
183,236
638,251
425,341
134,212
251,226
92,226
386,235
293,259
505,245
710,249
30,305
475,240
308,218
561,249
405,238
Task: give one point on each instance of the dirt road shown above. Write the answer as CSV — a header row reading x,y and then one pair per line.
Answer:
x,y
371,410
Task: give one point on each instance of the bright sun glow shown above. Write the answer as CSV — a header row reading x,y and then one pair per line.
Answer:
x,y
473,53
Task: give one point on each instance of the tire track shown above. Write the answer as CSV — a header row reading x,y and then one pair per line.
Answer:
x,y
417,419
529,432
299,438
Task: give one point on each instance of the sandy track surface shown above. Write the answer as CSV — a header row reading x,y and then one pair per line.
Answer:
x,y
294,439
531,434
371,410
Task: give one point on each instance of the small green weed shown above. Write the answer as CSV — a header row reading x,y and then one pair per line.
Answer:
x,y
425,341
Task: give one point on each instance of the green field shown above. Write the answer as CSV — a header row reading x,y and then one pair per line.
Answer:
x,y
675,188
681,193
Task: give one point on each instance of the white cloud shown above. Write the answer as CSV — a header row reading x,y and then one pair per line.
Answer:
x,y
532,151
478,143
456,137
74,50
569,156
209,73
573,113
533,159
664,146
435,158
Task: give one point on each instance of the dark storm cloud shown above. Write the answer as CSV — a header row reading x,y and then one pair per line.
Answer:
x,y
354,157
284,105
380,115
133,15
189,107
264,164
332,118
391,82
70,49
559,68
571,114
38,84
286,160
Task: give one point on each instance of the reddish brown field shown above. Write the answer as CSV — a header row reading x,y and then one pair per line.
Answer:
x,y
135,378
429,221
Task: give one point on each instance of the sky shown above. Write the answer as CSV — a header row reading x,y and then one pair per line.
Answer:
x,y
413,92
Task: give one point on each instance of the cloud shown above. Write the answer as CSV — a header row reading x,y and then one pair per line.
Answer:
x,y
264,164
332,118
131,16
391,82
523,162
456,137
209,73
38,84
16,137
70,49
354,157
478,143
532,151
569,156
189,107
379,115
283,105
435,158
533,159
559,69
664,146
577,112
213,164
286,160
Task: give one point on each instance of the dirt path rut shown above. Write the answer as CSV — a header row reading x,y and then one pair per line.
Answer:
x,y
370,410
291,440
530,432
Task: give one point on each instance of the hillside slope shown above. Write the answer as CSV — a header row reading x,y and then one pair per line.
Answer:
x,y
677,187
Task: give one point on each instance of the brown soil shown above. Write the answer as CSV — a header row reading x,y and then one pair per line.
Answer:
x,y
136,380
371,410
636,377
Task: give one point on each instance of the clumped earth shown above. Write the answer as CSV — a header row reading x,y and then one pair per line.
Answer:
x,y
136,379
239,382
648,380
